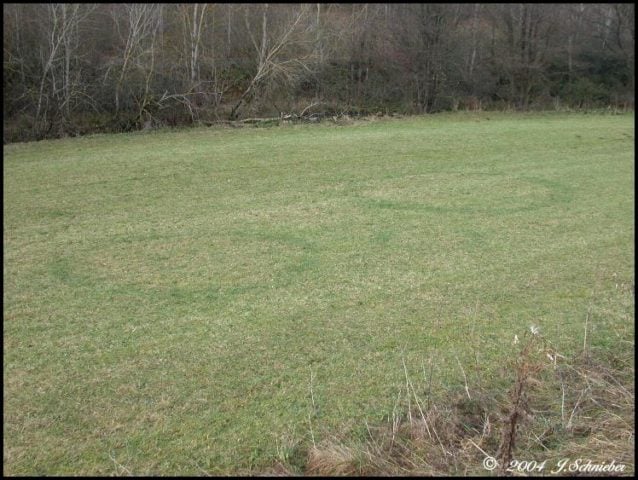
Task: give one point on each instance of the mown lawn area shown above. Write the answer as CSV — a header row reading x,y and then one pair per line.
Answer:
x,y
193,301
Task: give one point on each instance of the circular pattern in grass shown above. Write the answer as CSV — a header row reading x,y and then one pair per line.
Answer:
x,y
486,193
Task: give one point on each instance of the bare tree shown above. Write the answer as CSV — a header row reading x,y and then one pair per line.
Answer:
x,y
61,26
472,59
529,32
140,23
421,38
270,48
193,18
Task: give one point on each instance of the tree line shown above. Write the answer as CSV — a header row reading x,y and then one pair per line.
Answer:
x,y
72,69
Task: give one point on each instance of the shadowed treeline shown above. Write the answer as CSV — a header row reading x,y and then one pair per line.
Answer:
x,y
71,69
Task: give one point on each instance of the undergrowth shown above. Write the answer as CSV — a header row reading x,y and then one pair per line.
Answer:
x,y
561,416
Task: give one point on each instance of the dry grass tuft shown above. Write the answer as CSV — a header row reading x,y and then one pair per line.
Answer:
x,y
599,416
332,459
555,409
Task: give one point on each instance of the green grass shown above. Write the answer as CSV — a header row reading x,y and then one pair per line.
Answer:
x,y
167,295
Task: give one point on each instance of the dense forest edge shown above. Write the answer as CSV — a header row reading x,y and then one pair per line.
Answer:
x,y
76,69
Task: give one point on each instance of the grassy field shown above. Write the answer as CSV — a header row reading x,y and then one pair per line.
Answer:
x,y
197,301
